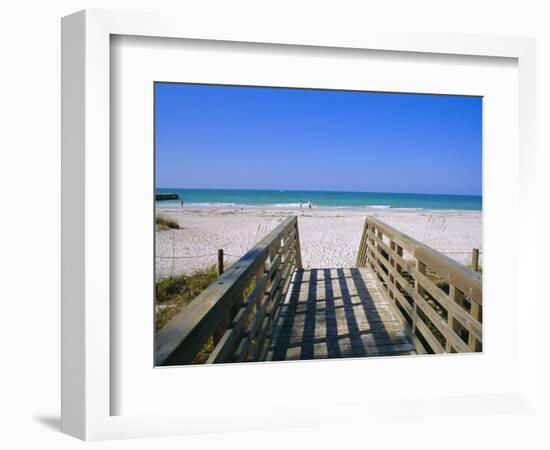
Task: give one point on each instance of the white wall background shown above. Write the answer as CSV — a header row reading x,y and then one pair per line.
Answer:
x,y
30,199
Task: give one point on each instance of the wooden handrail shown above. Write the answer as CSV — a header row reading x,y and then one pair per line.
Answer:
x,y
237,311
439,300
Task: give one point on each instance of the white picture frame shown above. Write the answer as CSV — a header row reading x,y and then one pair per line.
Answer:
x,y
87,385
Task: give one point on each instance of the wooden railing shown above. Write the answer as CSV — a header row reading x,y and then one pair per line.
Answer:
x,y
439,300
232,320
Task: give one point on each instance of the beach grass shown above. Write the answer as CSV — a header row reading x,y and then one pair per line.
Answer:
x,y
165,223
174,293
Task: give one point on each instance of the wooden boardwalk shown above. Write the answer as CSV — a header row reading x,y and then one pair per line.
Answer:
x,y
402,298
337,313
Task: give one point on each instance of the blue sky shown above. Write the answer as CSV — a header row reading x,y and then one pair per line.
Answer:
x,y
294,139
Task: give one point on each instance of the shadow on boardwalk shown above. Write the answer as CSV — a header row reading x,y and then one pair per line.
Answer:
x,y
337,313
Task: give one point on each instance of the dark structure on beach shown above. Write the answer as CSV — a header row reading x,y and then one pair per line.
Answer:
x,y
167,196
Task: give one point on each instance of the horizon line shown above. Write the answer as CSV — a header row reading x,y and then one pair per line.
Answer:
x,y
316,190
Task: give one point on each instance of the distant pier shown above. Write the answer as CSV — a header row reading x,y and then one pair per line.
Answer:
x,y
167,196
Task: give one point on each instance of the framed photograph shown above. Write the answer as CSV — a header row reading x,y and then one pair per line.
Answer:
x,y
254,216
298,261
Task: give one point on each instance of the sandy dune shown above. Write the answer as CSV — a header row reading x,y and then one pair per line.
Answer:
x,y
329,237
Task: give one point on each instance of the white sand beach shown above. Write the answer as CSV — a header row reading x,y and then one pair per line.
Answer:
x,y
329,236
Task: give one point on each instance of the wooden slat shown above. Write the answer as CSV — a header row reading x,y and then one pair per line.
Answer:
x,y
465,279
275,303
419,347
423,329
272,263
419,301
457,276
450,317
343,315
272,294
420,326
298,248
360,262
397,294
225,347
273,319
244,347
467,321
186,334
474,342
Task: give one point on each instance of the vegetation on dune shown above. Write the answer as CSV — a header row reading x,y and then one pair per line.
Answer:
x,y
175,293
165,223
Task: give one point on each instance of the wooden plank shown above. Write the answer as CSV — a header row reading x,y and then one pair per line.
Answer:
x,y
186,334
272,294
225,347
220,261
265,329
450,317
298,248
474,342
360,262
465,279
475,259
434,317
466,320
219,331
276,314
358,330
276,262
419,347
275,305
461,315
421,268
426,333
397,294
420,325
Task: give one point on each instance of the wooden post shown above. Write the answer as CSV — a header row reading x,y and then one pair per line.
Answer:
x,y
392,264
361,253
475,312
220,261
456,297
399,251
298,248
380,236
421,267
475,259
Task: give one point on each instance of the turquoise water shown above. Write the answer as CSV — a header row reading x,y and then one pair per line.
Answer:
x,y
241,197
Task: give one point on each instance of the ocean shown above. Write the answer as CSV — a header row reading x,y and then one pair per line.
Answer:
x,y
339,199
